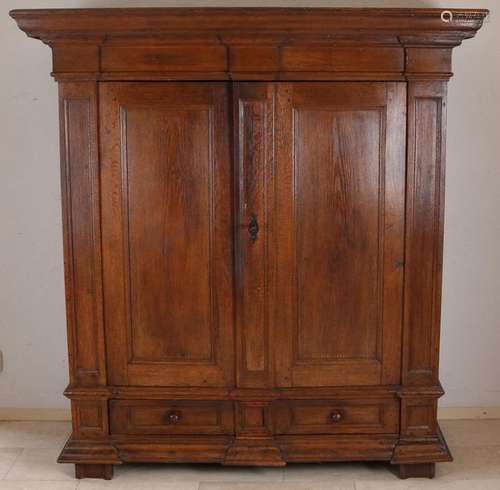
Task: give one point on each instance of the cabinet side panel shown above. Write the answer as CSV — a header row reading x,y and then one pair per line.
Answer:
x,y
424,234
82,251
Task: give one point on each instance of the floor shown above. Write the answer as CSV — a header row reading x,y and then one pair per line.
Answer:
x,y
28,451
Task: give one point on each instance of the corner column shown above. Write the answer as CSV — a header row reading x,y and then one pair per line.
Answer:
x,y
88,447
421,443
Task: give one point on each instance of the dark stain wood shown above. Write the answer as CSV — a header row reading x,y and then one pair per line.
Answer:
x,y
253,225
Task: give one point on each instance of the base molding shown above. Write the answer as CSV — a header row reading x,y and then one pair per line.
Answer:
x,y
89,452
94,458
325,448
254,452
172,449
265,452
422,451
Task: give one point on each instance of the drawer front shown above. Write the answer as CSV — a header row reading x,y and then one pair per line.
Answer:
x,y
336,417
171,417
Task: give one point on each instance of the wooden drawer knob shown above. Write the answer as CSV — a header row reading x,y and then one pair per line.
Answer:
x,y
336,416
174,417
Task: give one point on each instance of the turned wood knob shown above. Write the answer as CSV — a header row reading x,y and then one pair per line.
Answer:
x,y
336,416
174,417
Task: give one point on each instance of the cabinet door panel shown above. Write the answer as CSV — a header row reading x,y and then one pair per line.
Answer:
x,y
339,218
167,233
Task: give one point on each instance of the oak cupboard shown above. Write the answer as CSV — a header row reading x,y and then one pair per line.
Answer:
x,y
253,224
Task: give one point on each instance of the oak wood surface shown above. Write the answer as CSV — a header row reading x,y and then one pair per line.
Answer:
x,y
167,231
171,417
253,210
82,256
339,222
250,43
337,417
254,115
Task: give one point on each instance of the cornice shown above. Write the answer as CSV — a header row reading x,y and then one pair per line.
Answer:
x,y
250,43
104,23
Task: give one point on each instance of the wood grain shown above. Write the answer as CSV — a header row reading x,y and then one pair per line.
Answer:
x,y
254,126
250,44
167,240
81,221
340,162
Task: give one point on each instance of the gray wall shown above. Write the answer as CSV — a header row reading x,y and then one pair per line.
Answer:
x,y
32,319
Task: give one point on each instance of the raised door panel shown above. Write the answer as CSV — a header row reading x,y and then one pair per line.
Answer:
x,y
339,220
167,233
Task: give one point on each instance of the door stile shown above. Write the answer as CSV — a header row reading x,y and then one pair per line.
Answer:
x,y
253,109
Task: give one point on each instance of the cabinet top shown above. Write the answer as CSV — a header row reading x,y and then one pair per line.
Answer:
x,y
162,41
52,22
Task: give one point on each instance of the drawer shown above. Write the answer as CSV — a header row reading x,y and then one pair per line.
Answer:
x,y
336,416
171,417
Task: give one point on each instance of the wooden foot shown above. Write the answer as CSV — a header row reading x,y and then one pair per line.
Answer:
x,y
425,470
102,471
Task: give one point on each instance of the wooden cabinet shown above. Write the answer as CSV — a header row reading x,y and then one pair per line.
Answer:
x,y
253,222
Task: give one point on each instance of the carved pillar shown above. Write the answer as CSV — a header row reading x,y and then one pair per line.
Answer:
x,y
421,442
80,200
82,246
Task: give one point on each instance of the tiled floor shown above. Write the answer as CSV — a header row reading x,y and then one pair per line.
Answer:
x,y
28,451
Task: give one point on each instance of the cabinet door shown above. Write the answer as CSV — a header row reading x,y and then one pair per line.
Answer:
x,y
339,218
167,233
